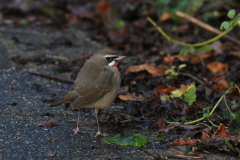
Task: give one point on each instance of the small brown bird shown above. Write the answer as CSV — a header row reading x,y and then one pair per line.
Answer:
x,y
96,86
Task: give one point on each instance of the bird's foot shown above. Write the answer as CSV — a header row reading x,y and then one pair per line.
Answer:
x,y
100,133
78,130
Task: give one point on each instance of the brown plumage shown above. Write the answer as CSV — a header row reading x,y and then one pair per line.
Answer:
x,y
96,85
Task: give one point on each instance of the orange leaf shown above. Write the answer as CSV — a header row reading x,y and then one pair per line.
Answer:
x,y
46,124
160,122
221,130
221,86
205,135
165,16
131,97
51,155
181,142
153,70
163,89
169,59
217,67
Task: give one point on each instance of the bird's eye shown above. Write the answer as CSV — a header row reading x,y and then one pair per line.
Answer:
x,y
108,58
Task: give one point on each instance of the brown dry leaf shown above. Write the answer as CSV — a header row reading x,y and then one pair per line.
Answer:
x,y
221,86
164,89
174,150
160,122
195,59
228,137
187,127
221,130
165,16
217,46
51,155
153,70
169,59
181,142
205,135
46,124
217,67
131,97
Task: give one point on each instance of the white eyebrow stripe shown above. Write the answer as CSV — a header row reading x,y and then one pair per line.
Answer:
x,y
110,56
112,63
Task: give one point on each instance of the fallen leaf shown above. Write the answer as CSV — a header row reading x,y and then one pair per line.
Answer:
x,y
169,59
221,130
187,127
220,86
217,67
174,150
164,89
153,70
160,122
181,142
228,137
205,135
165,16
46,124
217,46
131,97
51,155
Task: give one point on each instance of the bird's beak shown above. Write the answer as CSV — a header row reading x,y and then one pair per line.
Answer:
x,y
120,57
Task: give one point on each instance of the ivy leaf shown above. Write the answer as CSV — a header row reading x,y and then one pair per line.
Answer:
x,y
190,96
136,140
224,25
231,13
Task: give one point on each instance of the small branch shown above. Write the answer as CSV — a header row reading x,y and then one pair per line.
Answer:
x,y
205,26
52,77
187,44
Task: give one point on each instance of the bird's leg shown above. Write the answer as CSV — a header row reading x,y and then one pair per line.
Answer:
x,y
77,129
99,132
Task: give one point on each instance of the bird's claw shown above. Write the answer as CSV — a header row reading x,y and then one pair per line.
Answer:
x,y
100,133
78,130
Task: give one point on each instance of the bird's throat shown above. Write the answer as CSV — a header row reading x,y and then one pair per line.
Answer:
x,y
115,65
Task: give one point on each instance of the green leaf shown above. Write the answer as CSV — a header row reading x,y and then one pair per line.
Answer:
x,y
184,51
190,96
24,22
119,24
136,140
205,115
238,21
204,48
182,66
231,13
176,94
235,105
224,25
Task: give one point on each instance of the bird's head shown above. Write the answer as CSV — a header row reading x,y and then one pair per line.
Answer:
x,y
107,57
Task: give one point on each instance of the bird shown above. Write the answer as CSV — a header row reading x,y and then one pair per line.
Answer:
x,y
96,85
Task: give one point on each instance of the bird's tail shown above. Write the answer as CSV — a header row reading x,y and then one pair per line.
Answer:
x,y
67,98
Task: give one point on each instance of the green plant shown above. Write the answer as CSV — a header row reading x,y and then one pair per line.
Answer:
x,y
171,73
228,25
136,140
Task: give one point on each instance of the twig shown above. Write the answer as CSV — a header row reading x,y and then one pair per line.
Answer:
x,y
205,26
193,77
183,156
53,77
187,44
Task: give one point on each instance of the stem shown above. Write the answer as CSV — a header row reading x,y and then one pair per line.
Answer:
x,y
191,76
187,44
212,123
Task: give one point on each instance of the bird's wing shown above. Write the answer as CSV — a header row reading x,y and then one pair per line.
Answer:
x,y
91,87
